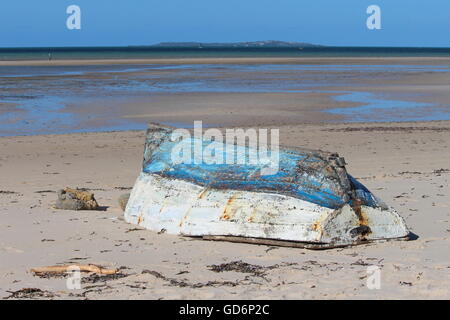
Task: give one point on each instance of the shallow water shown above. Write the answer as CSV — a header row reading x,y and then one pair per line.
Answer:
x,y
40,94
378,109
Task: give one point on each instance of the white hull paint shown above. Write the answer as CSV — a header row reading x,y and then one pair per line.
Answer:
x,y
184,208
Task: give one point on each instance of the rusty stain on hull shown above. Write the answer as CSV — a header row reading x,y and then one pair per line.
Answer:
x,y
228,210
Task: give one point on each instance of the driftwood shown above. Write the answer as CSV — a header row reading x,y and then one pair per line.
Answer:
x,y
83,268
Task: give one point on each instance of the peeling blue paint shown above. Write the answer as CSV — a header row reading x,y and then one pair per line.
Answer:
x,y
312,176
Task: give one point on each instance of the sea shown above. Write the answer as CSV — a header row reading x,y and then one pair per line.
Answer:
x,y
35,99
142,52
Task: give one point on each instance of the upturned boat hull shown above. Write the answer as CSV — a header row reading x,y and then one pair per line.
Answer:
x,y
310,202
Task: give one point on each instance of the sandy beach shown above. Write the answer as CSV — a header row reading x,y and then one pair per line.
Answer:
x,y
406,164
362,113
225,159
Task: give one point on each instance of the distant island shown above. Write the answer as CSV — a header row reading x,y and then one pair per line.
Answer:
x,y
249,44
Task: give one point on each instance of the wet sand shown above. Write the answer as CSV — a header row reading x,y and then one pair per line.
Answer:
x,y
47,97
406,164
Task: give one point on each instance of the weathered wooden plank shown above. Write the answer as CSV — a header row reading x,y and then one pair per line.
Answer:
x,y
292,244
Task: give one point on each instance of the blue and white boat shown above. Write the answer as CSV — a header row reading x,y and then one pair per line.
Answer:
x,y
310,201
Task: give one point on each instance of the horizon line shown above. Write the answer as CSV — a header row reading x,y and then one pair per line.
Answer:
x,y
313,46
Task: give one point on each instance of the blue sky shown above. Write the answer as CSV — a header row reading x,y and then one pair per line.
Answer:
x,y
28,23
